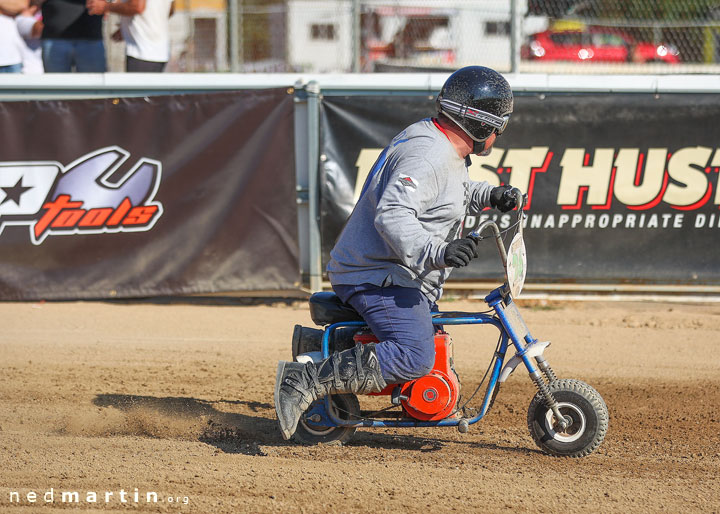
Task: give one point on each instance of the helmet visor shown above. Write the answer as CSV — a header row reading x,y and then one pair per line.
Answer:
x,y
499,123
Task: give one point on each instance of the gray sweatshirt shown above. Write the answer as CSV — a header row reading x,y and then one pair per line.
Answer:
x,y
412,205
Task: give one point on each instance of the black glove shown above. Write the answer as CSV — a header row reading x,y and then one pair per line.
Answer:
x,y
503,198
460,252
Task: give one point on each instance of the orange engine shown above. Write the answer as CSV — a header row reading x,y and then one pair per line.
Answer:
x,y
434,396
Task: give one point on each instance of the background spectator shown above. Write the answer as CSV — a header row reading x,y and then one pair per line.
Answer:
x,y
11,45
145,28
71,38
30,26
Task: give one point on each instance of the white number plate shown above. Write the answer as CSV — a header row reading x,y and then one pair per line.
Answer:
x,y
516,265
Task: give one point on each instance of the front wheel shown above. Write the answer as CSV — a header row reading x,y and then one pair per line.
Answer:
x,y
578,403
311,431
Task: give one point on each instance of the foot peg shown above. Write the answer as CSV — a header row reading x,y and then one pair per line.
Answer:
x,y
396,398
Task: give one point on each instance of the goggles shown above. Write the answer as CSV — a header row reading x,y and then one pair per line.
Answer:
x,y
464,111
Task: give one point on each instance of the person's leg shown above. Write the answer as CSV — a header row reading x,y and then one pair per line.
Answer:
x,y
11,68
400,318
57,55
138,65
299,384
90,56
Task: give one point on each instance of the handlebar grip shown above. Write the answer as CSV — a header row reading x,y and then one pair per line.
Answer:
x,y
520,198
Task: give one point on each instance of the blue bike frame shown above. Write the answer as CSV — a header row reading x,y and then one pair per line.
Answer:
x,y
506,319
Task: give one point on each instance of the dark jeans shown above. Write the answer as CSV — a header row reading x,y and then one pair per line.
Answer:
x,y
138,65
401,319
84,55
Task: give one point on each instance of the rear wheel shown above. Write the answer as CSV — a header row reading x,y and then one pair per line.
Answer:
x,y
344,406
582,406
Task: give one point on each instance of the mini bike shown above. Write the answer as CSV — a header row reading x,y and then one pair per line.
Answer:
x,y
566,417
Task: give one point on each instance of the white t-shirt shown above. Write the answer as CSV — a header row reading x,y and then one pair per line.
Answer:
x,y
11,45
32,52
147,35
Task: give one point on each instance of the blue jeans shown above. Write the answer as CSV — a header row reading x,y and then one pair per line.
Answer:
x,y
11,68
401,319
86,55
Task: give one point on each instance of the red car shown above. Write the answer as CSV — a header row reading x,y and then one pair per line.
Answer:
x,y
595,45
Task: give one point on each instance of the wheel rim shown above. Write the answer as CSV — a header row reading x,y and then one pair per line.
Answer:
x,y
319,430
574,431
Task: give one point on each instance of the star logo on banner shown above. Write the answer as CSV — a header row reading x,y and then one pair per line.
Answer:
x,y
15,192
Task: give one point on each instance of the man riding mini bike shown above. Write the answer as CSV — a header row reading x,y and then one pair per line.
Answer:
x,y
388,268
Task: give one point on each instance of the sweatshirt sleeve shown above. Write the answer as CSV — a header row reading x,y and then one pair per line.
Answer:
x,y
479,197
412,188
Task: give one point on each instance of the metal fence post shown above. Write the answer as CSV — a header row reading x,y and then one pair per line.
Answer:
x,y
313,163
356,36
300,124
235,34
515,35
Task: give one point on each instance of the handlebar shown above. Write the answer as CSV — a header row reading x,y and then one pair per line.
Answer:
x,y
520,200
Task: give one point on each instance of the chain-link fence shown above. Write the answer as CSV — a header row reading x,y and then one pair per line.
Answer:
x,y
548,36
659,36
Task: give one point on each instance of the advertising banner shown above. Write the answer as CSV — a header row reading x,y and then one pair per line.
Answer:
x,y
147,196
621,187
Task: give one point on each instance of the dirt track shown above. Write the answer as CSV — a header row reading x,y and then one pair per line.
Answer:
x,y
177,399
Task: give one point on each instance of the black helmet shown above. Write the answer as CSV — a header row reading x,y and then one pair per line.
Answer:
x,y
478,100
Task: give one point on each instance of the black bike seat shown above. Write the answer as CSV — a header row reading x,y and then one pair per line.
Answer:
x,y
327,308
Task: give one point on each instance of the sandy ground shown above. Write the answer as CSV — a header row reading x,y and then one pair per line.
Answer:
x,y
176,398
